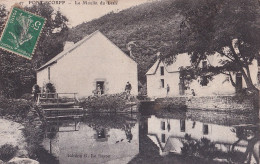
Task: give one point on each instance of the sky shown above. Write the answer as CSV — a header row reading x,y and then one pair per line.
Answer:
x,y
77,12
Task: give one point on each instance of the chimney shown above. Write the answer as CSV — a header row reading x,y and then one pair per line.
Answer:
x,y
67,45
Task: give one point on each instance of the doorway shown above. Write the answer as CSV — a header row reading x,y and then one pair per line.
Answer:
x,y
102,87
238,82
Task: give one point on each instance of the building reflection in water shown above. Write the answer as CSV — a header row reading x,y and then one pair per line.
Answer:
x,y
168,134
122,139
94,141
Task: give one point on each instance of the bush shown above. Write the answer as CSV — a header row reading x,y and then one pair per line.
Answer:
x,y
172,104
198,148
34,137
15,107
27,96
7,152
50,88
105,103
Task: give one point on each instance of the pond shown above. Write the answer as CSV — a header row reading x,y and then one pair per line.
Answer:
x,y
177,137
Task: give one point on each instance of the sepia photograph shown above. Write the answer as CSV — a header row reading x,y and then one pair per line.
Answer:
x,y
129,81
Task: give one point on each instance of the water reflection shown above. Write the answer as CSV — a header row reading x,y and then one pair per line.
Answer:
x,y
187,136
94,139
158,138
169,140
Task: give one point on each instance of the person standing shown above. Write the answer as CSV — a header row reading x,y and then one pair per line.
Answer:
x,y
35,91
168,89
99,90
128,88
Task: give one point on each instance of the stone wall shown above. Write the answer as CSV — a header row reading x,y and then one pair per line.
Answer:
x,y
220,103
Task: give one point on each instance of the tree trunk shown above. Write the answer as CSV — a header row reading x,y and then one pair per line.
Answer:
x,y
246,76
232,81
248,81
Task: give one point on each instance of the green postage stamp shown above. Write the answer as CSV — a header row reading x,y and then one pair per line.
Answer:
x,y
21,32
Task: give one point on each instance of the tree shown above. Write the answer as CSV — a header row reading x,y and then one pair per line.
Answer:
x,y
53,34
18,75
228,27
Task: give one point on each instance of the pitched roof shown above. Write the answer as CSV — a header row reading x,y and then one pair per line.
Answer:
x,y
182,60
66,51
173,143
153,69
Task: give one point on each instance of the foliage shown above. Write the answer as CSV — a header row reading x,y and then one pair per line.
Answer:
x,y
173,107
34,137
3,15
7,152
201,148
50,88
27,96
15,72
53,34
142,88
105,103
171,104
17,75
17,108
227,27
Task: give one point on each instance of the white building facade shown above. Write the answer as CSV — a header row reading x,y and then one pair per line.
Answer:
x,y
160,75
93,61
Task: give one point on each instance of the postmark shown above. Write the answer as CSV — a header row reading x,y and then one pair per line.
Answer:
x,y
21,32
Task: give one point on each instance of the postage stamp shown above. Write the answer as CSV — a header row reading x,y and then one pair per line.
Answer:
x,y
21,32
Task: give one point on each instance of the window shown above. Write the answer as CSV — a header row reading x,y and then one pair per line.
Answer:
x,y
204,81
101,133
162,83
49,73
204,64
162,125
182,125
163,138
205,129
162,70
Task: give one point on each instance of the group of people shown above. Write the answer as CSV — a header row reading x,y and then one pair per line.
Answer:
x,y
99,90
128,89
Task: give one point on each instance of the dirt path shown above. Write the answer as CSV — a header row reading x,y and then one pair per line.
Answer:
x,y
11,133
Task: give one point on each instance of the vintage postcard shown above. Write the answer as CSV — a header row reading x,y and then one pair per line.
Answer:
x,y
129,81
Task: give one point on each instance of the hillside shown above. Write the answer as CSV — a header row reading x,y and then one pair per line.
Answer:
x,y
150,27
